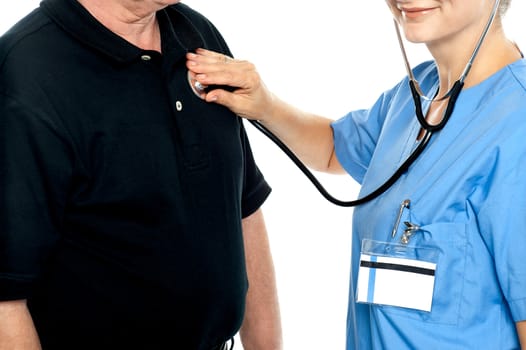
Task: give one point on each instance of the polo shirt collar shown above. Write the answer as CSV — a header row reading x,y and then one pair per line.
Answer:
x,y
179,35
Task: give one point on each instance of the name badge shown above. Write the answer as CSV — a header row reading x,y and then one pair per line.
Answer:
x,y
396,277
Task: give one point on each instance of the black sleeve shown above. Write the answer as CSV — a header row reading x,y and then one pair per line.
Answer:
x,y
255,188
34,172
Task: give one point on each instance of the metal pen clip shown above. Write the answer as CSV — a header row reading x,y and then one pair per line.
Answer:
x,y
403,205
409,231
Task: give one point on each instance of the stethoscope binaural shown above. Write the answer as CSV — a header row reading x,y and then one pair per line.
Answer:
x,y
429,129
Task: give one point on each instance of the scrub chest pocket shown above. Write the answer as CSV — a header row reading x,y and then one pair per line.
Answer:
x,y
449,239
443,244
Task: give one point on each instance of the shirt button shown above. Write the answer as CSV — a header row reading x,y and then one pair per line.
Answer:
x,y
179,106
146,57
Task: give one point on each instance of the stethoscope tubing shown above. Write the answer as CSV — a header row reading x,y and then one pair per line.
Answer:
x,y
341,203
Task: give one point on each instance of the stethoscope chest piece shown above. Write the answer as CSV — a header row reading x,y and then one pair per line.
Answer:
x,y
197,88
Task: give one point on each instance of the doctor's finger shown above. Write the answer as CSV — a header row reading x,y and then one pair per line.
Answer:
x,y
205,57
238,102
208,66
213,55
242,75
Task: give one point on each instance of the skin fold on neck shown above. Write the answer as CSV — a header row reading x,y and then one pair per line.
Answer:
x,y
135,23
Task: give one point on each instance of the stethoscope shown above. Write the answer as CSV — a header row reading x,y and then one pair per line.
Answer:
x,y
429,129
417,95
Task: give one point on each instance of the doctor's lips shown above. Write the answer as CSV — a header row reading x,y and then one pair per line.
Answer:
x,y
415,12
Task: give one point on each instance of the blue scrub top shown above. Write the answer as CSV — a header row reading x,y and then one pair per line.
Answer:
x,y
468,195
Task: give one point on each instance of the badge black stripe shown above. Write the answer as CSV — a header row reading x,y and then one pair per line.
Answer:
x,y
397,267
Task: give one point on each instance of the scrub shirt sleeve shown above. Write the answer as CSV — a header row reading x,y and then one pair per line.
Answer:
x,y
34,173
255,188
502,221
356,135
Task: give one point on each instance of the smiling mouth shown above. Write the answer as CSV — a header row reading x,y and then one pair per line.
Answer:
x,y
414,13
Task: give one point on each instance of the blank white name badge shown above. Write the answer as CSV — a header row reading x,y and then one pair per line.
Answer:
x,y
400,279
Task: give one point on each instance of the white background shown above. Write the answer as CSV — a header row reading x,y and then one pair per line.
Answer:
x,y
327,57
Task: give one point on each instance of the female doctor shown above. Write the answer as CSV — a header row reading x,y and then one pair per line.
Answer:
x,y
438,258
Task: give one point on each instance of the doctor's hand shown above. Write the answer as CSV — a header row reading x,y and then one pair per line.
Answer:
x,y
232,83
237,85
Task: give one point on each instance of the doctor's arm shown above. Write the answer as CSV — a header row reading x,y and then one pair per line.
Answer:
x,y
261,329
17,330
309,136
521,330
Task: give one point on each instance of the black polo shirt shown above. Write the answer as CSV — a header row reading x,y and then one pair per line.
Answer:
x,y
121,192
